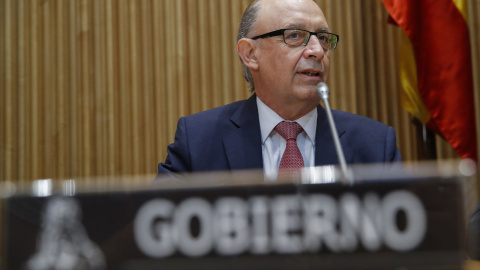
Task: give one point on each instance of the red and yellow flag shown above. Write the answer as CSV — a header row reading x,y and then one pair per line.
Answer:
x,y
436,68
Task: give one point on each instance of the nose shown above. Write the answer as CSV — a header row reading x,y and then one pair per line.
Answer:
x,y
314,49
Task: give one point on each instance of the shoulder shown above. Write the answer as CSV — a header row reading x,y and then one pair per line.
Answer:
x,y
367,139
210,115
363,130
350,121
216,122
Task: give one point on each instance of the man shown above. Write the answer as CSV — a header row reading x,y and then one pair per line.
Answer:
x,y
284,46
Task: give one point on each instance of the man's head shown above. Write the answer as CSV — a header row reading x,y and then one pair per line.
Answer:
x,y
284,76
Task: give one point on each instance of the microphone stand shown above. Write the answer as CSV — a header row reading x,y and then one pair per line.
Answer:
x,y
323,92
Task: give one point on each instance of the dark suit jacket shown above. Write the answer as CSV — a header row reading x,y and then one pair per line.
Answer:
x,y
228,138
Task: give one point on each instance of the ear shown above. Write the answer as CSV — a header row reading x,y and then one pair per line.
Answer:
x,y
246,49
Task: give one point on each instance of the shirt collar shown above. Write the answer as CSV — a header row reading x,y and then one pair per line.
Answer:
x,y
269,119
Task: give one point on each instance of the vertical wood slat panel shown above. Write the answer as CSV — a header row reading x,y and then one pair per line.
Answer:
x,y
203,42
7,64
11,101
380,42
21,95
47,118
3,90
214,52
146,115
58,82
180,45
347,87
73,75
109,56
225,47
23,89
160,134
35,88
370,65
84,88
48,100
360,69
169,65
192,71
135,90
124,88
96,87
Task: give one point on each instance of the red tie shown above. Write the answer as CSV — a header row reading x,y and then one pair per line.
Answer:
x,y
292,158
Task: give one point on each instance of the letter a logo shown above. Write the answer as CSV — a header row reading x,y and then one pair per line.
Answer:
x,y
63,242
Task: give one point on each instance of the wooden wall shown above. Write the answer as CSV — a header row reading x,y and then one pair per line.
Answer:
x,y
94,88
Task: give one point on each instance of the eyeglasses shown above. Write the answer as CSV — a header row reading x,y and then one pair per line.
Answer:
x,y
298,37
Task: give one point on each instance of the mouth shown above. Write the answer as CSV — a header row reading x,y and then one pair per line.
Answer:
x,y
311,73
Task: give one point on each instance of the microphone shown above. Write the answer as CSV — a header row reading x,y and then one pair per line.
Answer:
x,y
323,92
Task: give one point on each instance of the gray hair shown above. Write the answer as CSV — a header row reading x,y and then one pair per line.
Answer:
x,y
246,26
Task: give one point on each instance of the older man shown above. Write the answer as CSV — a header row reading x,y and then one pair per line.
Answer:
x,y
284,46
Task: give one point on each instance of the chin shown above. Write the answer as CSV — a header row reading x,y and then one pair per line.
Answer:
x,y
307,92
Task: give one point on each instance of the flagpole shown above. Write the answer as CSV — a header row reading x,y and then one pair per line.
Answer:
x,y
426,144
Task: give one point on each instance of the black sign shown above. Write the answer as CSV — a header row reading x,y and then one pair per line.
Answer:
x,y
371,225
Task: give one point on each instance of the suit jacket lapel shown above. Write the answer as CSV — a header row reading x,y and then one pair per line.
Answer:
x,y
243,146
325,153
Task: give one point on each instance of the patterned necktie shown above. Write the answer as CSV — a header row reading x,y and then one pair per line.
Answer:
x,y
292,158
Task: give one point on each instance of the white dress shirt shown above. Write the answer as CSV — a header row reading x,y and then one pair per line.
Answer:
x,y
273,145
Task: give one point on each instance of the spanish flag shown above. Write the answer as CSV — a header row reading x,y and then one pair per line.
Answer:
x,y
436,68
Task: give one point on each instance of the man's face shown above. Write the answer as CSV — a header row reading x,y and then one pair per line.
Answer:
x,y
288,75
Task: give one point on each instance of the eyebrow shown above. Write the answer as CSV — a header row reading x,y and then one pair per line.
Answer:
x,y
302,26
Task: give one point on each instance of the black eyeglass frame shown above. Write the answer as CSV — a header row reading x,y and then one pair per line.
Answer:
x,y
281,32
